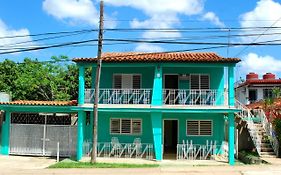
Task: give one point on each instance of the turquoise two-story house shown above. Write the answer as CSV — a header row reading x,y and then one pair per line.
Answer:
x,y
164,99
152,105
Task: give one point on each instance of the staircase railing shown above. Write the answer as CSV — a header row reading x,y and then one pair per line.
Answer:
x,y
246,115
269,130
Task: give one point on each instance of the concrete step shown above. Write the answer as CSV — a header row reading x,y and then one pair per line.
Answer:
x,y
266,145
267,149
268,156
267,153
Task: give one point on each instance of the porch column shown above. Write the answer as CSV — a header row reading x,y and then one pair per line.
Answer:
x,y
157,95
156,120
231,86
231,134
6,134
81,87
80,135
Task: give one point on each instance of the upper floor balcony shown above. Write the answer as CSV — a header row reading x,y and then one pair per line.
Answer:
x,y
201,97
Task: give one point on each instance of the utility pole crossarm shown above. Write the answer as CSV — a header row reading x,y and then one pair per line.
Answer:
x,y
97,84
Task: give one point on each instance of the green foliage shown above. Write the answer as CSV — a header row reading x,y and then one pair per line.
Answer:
x,y
276,91
277,128
34,80
74,164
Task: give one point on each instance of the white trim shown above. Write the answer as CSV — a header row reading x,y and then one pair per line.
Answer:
x,y
199,135
120,126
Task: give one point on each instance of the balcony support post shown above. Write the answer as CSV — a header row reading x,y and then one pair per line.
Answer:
x,y
156,121
231,86
157,95
81,87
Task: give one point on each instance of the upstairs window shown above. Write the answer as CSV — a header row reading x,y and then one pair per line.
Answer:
x,y
267,93
127,81
199,128
199,81
125,126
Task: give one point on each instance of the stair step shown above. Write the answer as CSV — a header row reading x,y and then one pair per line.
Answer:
x,y
267,153
268,156
266,149
265,145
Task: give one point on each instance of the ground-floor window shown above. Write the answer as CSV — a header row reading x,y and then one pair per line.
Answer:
x,y
199,128
125,126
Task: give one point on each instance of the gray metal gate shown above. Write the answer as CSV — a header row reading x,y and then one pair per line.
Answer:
x,y
42,139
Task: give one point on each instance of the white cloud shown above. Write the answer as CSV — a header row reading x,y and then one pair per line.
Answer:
x,y
260,64
213,18
148,48
265,14
10,43
73,11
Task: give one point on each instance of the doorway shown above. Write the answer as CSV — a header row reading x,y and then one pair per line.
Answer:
x,y
171,85
170,138
252,95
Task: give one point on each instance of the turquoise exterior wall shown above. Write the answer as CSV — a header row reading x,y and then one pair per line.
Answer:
x,y
104,125
217,121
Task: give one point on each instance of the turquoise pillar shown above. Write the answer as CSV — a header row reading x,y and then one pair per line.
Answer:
x,y
231,97
81,87
156,120
157,95
6,134
80,135
231,135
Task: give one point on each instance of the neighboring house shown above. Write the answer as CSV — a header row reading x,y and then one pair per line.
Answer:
x,y
254,89
149,101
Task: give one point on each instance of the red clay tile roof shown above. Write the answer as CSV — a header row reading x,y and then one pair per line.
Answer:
x,y
41,103
160,57
261,81
261,104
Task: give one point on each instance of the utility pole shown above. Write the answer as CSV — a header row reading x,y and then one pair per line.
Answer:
x,y
97,87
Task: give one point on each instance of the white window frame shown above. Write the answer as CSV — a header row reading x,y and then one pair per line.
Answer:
x,y
131,126
200,80
199,135
131,74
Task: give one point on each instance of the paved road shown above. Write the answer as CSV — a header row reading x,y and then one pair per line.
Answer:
x,y
35,165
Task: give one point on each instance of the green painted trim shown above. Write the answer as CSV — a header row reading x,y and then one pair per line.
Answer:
x,y
80,135
5,142
81,86
157,109
231,130
29,108
156,123
164,64
157,94
231,86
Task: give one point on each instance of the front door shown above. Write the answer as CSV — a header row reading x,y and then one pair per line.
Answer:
x,y
170,138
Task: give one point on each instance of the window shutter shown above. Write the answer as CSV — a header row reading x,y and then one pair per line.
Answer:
x,y
136,126
136,81
204,82
117,81
126,126
127,81
194,80
115,126
192,127
206,127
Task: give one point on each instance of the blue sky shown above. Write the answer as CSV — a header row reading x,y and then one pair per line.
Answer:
x,y
19,17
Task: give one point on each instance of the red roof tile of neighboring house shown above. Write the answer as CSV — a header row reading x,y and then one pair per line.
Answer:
x,y
41,103
161,57
261,104
261,81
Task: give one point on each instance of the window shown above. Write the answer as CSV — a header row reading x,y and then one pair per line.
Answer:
x,y
199,128
267,93
125,126
199,81
127,81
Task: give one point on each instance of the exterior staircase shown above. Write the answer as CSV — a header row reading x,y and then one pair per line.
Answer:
x,y
261,131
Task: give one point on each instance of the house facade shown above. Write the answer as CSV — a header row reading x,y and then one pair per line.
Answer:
x,y
160,101
254,89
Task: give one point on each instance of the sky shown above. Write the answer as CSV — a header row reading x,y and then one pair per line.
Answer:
x,y
212,17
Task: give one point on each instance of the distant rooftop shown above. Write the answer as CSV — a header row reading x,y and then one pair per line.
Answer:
x,y
160,57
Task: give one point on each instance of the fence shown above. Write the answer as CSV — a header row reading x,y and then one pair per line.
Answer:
x,y
120,96
193,97
189,151
121,150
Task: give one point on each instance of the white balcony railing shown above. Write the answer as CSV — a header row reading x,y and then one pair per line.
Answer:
x,y
193,97
120,96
